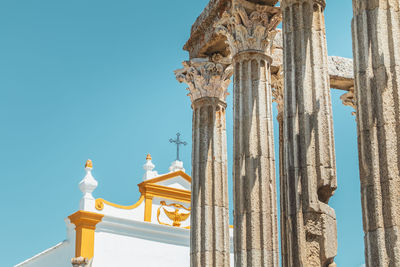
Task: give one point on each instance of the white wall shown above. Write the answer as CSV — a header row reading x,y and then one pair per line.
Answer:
x,y
59,255
125,251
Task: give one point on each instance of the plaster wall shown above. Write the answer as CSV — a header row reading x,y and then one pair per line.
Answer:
x,y
60,254
118,250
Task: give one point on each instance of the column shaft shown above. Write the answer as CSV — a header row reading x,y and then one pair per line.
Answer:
x,y
309,156
249,29
277,94
376,49
255,215
210,244
285,233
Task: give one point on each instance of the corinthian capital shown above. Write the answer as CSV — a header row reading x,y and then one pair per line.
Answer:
x,y
206,77
249,26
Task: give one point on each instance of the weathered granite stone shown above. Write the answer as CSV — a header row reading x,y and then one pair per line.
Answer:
x,y
203,40
208,80
376,50
249,30
309,176
340,69
341,72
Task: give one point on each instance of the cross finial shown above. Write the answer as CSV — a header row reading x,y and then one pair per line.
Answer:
x,y
178,142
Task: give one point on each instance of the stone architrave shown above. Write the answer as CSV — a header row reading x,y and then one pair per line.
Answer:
x,y
376,49
208,80
309,230
249,29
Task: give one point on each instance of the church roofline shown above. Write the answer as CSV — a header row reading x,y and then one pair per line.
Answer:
x,y
168,176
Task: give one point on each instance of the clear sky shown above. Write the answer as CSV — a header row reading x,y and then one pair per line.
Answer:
x,y
94,79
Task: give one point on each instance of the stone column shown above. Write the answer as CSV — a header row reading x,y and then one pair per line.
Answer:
x,y
376,49
277,94
249,29
208,81
309,158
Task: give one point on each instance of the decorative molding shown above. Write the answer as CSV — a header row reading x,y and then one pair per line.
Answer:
x,y
175,216
85,226
100,204
349,99
206,77
249,26
154,190
167,177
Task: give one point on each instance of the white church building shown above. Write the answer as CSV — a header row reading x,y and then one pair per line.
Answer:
x,y
153,232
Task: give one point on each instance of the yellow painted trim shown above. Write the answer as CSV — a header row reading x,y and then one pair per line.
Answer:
x,y
149,189
169,176
176,217
155,190
100,204
85,226
148,206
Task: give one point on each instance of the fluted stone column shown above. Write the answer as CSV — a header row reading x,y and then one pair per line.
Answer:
x,y
376,49
309,158
249,29
209,233
277,94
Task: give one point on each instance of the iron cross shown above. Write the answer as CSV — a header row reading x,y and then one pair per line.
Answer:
x,y
178,142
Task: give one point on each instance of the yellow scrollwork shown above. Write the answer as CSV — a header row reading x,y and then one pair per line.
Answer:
x,y
100,204
175,215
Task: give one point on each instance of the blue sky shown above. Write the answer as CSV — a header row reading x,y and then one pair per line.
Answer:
x,y
94,79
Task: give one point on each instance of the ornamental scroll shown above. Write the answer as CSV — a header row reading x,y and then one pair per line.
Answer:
x,y
175,216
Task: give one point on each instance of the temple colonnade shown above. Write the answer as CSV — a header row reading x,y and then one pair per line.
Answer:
x,y
291,67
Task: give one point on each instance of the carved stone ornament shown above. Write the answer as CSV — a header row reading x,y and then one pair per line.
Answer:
x,y
206,77
349,99
249,26
81,262
277,92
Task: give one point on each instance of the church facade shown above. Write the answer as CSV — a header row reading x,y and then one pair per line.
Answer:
x,y
152,232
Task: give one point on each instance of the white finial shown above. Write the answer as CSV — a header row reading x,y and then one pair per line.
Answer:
x,y
148,167
87,186
176,165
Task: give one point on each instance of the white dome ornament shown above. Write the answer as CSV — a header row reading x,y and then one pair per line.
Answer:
x,y
87,186
148,167
176,165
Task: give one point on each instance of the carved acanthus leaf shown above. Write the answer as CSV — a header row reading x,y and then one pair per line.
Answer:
x,y
206,77
349,99
249,28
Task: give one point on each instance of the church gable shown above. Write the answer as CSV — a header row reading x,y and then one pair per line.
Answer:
x,y
177,179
